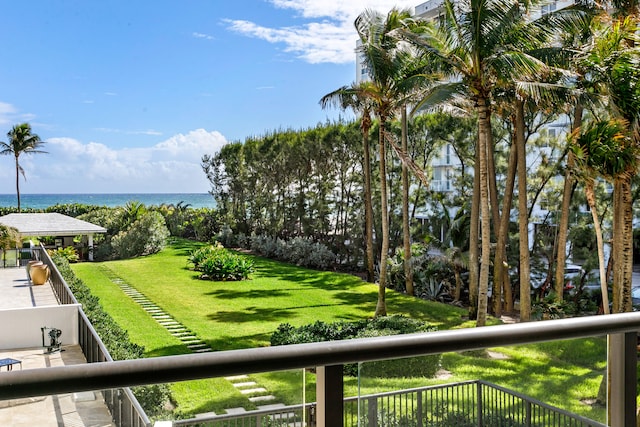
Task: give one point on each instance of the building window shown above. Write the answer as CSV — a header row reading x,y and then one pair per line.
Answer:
x,y
548,8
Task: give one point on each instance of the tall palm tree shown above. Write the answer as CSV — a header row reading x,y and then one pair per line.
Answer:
x,y
356,97
21,141
477,44
615,67
599,149
394,79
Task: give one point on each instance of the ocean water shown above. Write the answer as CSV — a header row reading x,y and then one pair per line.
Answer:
x,y
42,201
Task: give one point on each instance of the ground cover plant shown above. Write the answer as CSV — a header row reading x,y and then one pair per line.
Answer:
x,y
233,315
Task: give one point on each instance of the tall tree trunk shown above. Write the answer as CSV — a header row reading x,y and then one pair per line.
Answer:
x,y
381,306
406,232
368,202
563,226
474,239
523,217
18,181
622,244
484,129
496,295
591,200
500,271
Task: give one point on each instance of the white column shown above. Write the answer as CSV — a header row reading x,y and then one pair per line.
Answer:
x,y
90,244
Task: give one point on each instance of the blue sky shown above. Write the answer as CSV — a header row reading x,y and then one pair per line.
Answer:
x,y
130,94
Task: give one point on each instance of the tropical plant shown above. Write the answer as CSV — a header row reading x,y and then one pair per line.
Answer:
x,y
21,141
478,44
395,76
356,98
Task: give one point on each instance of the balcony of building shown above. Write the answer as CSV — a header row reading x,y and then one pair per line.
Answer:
x,y
61,383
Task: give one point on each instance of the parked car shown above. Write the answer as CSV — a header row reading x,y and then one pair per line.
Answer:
x,y
635,298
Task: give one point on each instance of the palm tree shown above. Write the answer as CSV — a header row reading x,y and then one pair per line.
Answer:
x,y
598,149
614,66
393,81
477,44
21,141
356,98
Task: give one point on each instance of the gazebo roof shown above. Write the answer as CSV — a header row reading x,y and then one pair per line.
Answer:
x,y
49,224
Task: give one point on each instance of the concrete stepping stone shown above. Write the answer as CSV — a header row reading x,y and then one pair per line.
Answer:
x,y
197,346
204,350
205,414
253,390
235,411
245,384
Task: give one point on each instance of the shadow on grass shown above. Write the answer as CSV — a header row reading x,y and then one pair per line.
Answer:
x,y
326,280
253,314
252,293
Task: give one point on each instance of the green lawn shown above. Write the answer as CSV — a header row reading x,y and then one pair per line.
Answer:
x,y
233,315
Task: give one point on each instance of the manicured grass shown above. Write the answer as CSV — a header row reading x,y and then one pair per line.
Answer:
x,y
234,315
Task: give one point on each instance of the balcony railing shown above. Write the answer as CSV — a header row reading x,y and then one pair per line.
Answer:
x,y
461,404
329,357
122,404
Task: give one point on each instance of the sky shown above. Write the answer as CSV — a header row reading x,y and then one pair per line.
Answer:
x,y
129,95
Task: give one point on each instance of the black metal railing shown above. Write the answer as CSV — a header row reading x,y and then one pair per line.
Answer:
x,y
124,407
328,359
464,404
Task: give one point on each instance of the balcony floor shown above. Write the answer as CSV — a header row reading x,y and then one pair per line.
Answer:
x,y
16,291
70,410
86,409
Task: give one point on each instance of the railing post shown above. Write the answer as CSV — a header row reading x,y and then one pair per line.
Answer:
x,y
372,412
623,356
329,396
479,403
419,409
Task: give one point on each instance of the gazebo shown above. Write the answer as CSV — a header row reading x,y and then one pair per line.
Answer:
x,y
54,225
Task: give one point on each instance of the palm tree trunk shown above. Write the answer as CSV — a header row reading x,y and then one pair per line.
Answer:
x,y
381,306
368,203
563,226
500,272
18,181
591,200
523,216
474,239
406,233
622,244
484,129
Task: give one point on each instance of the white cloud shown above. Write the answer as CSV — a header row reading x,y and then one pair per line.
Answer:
x,y
202,36
9,115
328,37
172,165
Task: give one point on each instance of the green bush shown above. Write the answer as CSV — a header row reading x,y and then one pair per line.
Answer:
x,y
69,253
217,263
146,236
319,331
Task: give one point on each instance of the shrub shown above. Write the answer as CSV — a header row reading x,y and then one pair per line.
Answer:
x,y
301,251
147,235
319,331
69,253
217,263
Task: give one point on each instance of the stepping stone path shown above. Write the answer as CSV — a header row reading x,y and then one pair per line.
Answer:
x,y
242,383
